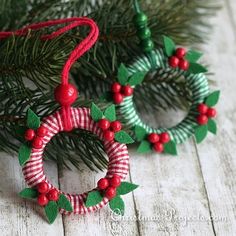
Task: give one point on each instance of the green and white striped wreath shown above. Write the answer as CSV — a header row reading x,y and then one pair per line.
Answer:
x,y
196,83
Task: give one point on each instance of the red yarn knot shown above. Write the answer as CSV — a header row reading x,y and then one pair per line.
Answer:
x,y
66,118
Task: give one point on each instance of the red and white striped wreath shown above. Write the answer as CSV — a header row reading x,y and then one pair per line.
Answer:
x,y
108,189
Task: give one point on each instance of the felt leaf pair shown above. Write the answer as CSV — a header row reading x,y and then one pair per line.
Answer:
x,y
52,208
191,56
124,79
145,146
202,130
110,114
116,204
32,122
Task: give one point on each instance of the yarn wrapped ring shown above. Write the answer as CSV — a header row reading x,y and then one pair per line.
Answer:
x,y
117,153
164,139
196,83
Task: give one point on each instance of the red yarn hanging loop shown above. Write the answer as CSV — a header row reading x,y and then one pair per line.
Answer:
x,y
65,94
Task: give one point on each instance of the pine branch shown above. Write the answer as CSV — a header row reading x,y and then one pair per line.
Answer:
x,y
34,59
30,68
11,12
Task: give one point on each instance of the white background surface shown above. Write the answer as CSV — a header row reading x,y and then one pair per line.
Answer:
x,y
192,194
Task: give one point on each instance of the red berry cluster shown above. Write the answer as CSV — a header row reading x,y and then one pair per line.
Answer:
x,y
109,186
157,140
119,92
205,113
46,194
36,137
178,59
109,128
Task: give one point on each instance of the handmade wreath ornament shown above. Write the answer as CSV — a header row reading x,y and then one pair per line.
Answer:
x,y
38,133
109,189
169,62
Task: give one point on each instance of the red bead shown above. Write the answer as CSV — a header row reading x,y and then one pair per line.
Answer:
x,y
42,200
202,119
116,126
115,181
180,52
211,113
158,147
103,183
174,61
117,98
29,134
42,131
164,137
53,195
116,87
42,187
108,135
202,108
110,192
65,94
104,124
127,90
37,142
183,64
153,138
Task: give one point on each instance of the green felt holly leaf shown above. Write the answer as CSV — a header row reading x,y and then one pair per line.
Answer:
x,y
51,211
93,198
123,74
170,148
137,78
125,188
193,56
123,137
33,121
212,126
110,113
213,98
117,205
201,133
140,133
169,46
30,193
96,112
24,154
144,147
196,68
64,203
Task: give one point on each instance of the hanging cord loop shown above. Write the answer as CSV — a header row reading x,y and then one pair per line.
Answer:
x,y
65,94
